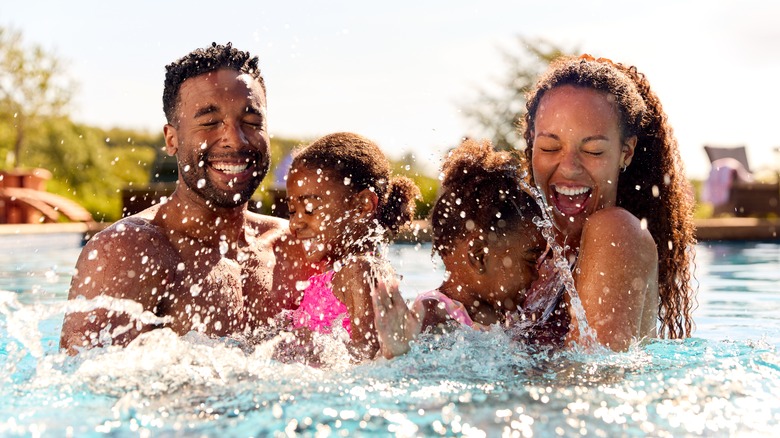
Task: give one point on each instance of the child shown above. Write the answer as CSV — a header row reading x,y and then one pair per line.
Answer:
x,y
343,203
483,230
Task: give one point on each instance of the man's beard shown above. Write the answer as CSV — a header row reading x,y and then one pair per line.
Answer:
x,y
219,198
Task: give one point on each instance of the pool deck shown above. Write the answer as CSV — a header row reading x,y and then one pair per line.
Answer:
x,y
730,228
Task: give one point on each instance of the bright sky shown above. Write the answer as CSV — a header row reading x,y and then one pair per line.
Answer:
x,y
398,72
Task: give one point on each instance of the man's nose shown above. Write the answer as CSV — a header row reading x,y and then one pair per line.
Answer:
x,y
233,135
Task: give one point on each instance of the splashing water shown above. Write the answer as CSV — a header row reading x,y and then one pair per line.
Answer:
x,y
464,383
587,335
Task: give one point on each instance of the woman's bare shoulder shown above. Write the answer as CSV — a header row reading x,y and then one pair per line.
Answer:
x,y
613,225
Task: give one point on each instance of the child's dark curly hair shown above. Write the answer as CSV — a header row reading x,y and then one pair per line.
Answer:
x,y
348,155
201,61
481,190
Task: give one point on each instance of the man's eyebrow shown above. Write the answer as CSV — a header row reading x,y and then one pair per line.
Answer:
x,y
208,109
251,109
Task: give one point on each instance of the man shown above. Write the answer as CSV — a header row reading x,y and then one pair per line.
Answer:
x,y
200,261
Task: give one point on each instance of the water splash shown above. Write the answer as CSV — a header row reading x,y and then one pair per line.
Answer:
x,y
587,337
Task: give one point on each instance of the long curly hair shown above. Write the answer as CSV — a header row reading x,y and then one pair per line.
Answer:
x,y
480,190
201,61
653,187
351,156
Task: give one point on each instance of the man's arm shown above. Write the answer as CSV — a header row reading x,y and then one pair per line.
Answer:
x,y
126,261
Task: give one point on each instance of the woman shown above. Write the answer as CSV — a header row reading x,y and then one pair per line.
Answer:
x,y
603,155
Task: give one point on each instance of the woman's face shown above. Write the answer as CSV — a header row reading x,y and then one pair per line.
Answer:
x,y
578,152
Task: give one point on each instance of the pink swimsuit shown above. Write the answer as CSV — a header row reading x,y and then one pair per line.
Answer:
x,y
454,309
320,308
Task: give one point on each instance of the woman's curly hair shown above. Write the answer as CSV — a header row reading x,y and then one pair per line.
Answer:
x,y
653,187
359,159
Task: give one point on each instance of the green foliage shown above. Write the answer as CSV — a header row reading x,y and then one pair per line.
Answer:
x,y
499,111
429,185
88,166
33,86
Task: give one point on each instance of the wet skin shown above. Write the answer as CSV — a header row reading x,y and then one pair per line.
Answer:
x,y
201,259
577,156
330,221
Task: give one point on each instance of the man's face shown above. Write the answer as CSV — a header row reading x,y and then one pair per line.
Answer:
x,y
220,137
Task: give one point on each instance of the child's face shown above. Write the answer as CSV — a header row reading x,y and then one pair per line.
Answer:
x,y
511,266
321,213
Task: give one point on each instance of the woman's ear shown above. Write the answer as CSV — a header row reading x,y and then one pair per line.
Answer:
x,y
627,154
476,255
368,202
171,139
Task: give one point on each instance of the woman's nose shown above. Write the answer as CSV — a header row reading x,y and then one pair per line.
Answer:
x,y
570,164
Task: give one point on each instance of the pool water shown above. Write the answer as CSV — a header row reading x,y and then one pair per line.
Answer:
x,y
723,381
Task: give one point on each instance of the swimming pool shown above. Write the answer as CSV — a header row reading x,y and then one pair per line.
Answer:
x,y
724,381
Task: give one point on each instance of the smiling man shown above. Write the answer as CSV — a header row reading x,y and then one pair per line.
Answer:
x,y
200,261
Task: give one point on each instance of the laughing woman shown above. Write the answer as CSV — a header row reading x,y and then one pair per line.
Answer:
x,y
603,155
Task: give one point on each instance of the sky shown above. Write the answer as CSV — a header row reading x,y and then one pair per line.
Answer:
x,y
401,72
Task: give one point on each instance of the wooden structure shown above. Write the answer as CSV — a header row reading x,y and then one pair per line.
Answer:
x,y
24,200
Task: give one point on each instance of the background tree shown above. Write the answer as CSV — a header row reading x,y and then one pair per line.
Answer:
x,y
32,85
497,111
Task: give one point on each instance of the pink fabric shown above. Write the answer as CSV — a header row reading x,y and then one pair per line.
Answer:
x,y
319,308
454,308
722,175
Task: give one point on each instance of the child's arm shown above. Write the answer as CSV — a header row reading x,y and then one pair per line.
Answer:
x,y
396,324
352,285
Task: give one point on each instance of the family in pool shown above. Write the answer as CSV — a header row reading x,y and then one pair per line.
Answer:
x,y
599,152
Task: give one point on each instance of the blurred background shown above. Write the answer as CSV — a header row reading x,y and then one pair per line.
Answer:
x,y
81,81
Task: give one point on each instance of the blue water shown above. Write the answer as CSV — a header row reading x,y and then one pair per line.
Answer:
x,y
725,381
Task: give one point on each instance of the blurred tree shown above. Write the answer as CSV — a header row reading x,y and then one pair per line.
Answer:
x,y
498,111
32,85
429,185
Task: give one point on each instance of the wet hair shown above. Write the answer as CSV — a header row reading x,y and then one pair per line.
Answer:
x,y
653,187
201,61
480,190
350,156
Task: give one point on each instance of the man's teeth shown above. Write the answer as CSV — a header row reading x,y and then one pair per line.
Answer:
x,y
230,168
571,191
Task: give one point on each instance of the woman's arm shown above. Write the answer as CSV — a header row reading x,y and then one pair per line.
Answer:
x,y
616,276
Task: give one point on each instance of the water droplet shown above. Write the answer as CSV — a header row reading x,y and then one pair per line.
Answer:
x,y
347,181
462,214
92,255
223,247
236,197
187,168
195,290
180,267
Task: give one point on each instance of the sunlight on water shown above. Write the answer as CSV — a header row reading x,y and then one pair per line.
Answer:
x,y
465,383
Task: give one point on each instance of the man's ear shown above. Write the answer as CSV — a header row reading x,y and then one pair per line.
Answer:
x,y
477,255
368,202
171,139
627,153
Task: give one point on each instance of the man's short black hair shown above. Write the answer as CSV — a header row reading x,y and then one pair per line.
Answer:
x,y
201,61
